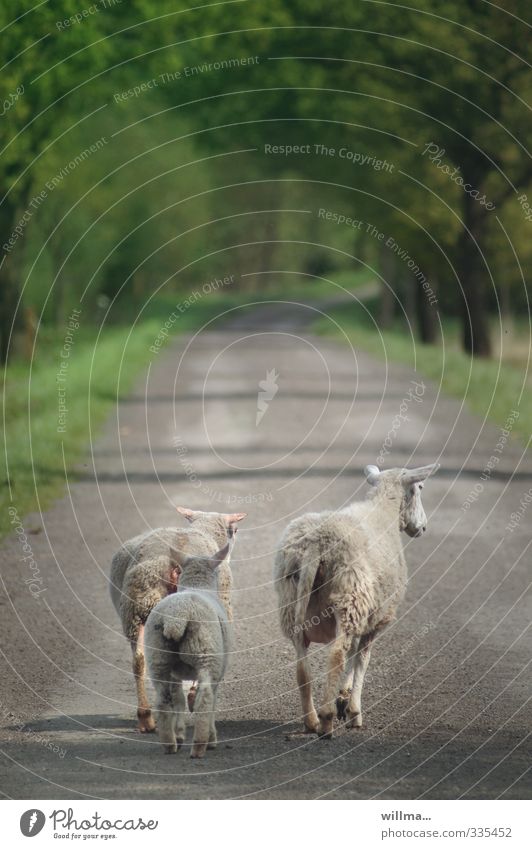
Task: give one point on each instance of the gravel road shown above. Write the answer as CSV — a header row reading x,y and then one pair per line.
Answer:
x,y
447,709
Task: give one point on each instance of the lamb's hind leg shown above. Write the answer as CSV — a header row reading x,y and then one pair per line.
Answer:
x,y
166,706
204,718
354,708
180,707
146,722
304,682
336,666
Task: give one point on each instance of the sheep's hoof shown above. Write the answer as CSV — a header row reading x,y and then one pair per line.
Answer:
x,y
146,721
180,741
213,742
170,749
311,727
353,720
341,708
325,730
312,723
198,750
297,735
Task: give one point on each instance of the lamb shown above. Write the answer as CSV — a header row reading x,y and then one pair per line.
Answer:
x,y
187,635
145,570
340,577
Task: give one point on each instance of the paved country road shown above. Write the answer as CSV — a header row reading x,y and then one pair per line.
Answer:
x,y
447,709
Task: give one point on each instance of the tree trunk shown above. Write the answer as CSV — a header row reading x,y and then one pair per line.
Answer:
x,y
268,224
8,282
58,292
387,298
386,306
139,287
505,301
266,257
30,332
472,273
426,312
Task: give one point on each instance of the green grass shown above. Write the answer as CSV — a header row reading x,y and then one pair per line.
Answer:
x,y
489,387
348,279
35,455
32,461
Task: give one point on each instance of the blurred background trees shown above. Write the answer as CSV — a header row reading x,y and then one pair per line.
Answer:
x,y
182,188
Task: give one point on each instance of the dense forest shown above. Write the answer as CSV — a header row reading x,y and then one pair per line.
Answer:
x,y
147,147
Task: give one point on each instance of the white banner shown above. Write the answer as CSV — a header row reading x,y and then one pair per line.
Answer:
x,y
366,824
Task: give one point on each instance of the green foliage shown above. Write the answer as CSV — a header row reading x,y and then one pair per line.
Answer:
x,y
183,187
383,80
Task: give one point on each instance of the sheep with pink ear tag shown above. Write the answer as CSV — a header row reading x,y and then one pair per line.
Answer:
x,y
147,568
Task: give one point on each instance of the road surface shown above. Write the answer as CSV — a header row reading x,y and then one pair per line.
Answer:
x,y
446,705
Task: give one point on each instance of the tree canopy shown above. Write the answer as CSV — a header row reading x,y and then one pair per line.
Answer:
x,y
221,132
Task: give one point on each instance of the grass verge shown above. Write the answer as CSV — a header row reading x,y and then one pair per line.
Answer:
x,y
489,387
36,454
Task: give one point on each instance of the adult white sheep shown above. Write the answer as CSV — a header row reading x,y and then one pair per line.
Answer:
x,y
340,577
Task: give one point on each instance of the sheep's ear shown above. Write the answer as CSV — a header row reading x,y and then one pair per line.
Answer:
x,y
173,577
231,518
188,514
372,474
220,556
177,558
416,475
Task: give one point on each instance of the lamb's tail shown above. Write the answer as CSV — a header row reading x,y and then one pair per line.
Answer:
x,y
174,628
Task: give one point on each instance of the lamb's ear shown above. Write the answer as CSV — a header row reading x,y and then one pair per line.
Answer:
x,y
231,518
416,475
220,556
372,474
188,514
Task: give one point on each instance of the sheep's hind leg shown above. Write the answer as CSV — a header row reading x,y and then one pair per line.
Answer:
x,y
203,711
336,666
354,708
304,682
146,722
346,683
213,739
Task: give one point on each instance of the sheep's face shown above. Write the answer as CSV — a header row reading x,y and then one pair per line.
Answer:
x,y
219,525
412,518
406,484
226,520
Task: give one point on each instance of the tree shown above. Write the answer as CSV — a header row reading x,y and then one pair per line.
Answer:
x,y
454,75
54,57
